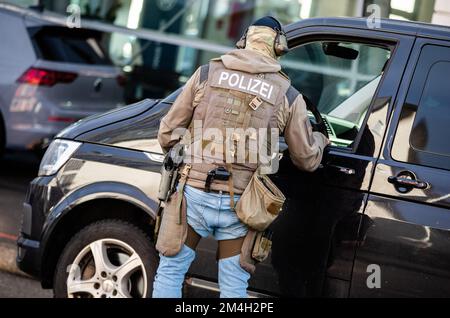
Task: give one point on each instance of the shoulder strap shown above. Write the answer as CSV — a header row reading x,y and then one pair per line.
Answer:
x,y
292,95
284,75
204,72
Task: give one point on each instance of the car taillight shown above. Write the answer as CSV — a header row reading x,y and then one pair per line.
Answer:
x,y
59,119
42,77
121,80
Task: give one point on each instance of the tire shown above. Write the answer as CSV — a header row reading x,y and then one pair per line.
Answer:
x,y
100,277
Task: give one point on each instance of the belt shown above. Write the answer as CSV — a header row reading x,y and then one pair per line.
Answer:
x,y
213,191
220,192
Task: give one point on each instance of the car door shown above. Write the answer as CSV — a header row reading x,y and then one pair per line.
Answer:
x,y
409,205
318,228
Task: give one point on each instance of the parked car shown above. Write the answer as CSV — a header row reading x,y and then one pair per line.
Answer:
x,y
50,77
373,221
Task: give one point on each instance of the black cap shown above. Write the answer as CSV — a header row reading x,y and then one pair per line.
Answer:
x,y
268,21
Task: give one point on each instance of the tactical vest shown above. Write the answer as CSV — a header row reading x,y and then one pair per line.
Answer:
x,y
234,103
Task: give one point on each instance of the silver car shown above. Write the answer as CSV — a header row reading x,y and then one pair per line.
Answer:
x,y
50,77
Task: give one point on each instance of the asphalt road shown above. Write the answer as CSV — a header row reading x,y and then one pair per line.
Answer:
x,y
16,171
14,286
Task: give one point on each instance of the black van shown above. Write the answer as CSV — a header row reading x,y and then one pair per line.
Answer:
x,y
373,221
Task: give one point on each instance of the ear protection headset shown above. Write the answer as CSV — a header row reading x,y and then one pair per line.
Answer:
x,y
280,44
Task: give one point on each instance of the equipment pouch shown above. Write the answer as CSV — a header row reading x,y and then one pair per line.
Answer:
x,y
260,203
172,233
262,247
246,260
255,249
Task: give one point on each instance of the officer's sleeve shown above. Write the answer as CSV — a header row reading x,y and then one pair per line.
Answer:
x,y
180,114
305,146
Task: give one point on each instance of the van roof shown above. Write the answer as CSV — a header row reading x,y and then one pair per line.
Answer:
x,y
413,28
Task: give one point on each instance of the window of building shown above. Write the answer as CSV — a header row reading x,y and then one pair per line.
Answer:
x,y
403,8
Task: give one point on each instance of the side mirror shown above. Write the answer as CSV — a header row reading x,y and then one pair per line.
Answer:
x,y
334,49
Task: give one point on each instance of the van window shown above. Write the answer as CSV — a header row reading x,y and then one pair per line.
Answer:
x,y
423,131
430,131
78,46
341,79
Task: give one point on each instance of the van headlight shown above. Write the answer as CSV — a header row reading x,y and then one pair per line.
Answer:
x,y
57,154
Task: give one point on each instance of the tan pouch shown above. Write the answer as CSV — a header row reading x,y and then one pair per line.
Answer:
x,y
260,203
246,261
255,249
261,248
172,235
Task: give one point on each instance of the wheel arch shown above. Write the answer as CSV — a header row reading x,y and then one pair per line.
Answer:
x,y
70,216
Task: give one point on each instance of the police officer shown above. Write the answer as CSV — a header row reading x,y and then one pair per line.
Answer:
x,y
242,89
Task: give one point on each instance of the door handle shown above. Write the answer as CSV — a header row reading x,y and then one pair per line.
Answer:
x,y
408,183
344,170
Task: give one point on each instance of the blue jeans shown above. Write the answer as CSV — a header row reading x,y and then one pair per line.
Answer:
x,y
207,214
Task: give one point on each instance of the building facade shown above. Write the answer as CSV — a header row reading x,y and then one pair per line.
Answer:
x,y
156,67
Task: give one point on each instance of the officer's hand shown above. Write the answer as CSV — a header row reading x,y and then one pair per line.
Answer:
x,y
321,127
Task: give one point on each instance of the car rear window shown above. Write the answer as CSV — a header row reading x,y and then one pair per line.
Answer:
x,y
78,46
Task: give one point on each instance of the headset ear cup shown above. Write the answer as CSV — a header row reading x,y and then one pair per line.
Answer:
x,y
242,41
284,44
281,45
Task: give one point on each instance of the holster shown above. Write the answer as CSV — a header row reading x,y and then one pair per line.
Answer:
x,y
255,249
174,228
173,233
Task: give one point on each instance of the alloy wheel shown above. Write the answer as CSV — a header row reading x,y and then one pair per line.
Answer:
x,y
107,268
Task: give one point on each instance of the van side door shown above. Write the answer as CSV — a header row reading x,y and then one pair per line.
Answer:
x,y
407,247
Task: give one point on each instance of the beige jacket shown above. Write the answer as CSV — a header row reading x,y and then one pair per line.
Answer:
x,y
305,146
